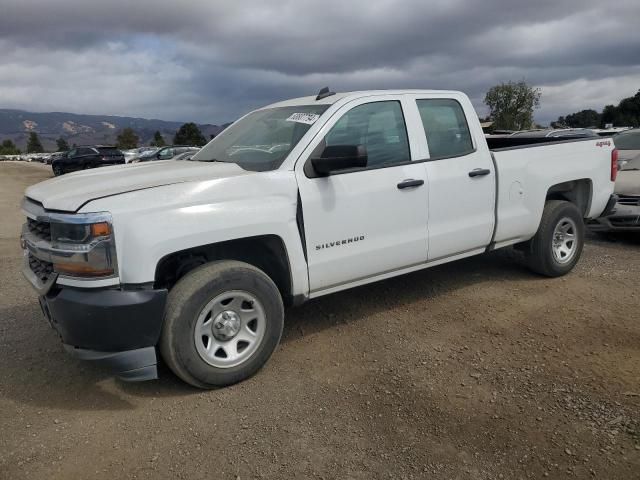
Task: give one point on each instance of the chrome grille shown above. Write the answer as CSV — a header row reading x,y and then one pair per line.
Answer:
x,y
42,230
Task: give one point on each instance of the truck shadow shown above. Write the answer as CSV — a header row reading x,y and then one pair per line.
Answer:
x,y
35,370
46,376
615,238
355,305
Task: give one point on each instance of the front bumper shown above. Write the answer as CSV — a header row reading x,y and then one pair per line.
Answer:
x,y
115,328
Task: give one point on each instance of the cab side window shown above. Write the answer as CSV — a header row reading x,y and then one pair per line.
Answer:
x,y
380,127
446,128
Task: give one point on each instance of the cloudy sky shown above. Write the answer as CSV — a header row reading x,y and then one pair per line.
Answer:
x,y
211,60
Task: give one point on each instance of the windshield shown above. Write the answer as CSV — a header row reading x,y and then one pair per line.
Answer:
x,y
263,139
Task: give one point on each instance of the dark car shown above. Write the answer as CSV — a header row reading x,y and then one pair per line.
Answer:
x,y
166,153
54,156
81,158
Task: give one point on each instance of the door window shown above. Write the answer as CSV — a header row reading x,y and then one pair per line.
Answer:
x,y
380,127
446,128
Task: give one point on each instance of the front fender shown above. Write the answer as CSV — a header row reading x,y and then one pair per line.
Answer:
x,y
151,224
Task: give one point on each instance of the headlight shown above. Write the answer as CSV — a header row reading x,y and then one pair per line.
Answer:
x,y
83,245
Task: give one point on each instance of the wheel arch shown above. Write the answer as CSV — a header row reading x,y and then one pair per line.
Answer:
x,y
266,252
578,192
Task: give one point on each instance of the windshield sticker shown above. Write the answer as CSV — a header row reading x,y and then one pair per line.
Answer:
x,y
308,118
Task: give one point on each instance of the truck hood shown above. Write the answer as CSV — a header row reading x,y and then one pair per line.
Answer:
x,y
69,192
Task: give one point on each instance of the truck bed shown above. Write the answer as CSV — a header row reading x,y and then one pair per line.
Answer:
x,y
525,172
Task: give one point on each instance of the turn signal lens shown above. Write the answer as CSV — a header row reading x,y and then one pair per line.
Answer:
x,y
101,229
81,270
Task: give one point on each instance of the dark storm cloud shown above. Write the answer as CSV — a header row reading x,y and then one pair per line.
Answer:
x,y
212,60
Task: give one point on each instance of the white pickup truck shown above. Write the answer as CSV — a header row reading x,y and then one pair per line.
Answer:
x,y
293,201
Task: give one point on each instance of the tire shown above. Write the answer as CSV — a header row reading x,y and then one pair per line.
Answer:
x,y
57,171
552,252
197,359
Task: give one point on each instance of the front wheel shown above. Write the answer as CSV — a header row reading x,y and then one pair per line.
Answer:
x,y
558,243
222,323
57,170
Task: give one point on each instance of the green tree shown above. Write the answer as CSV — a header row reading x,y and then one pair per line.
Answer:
x,y
9,148
581,119
62,144
625,114
511,105
158,140
189,134
127,139
34,145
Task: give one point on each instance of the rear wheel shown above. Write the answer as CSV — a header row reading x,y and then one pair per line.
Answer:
x,y
558,243
223,321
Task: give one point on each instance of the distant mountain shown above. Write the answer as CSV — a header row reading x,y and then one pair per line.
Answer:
x,y
84,129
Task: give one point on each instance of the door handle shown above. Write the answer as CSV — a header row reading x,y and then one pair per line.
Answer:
x,y
410,183
479,172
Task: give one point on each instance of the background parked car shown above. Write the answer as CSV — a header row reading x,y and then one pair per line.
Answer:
x,y
166,153
627,212
81,158
556,132
186,155
137,152
49,160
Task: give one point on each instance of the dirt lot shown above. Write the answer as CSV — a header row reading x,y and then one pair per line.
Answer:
x,y
476,369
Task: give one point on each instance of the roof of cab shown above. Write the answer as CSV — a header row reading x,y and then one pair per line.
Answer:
x,y
311,100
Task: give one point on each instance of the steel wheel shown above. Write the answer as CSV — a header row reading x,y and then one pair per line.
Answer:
x,y
229,329
564,244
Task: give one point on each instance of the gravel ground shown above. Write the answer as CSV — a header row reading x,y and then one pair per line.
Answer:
x,y
472,370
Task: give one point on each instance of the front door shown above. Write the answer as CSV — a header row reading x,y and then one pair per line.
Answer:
x,y
371,220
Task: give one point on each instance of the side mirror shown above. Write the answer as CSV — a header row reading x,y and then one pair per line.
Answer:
x,y
339,157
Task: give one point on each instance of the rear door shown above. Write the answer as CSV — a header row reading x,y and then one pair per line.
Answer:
x,y
461,177
368,221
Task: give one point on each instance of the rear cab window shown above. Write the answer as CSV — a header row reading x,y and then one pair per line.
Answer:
x,y
446,128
